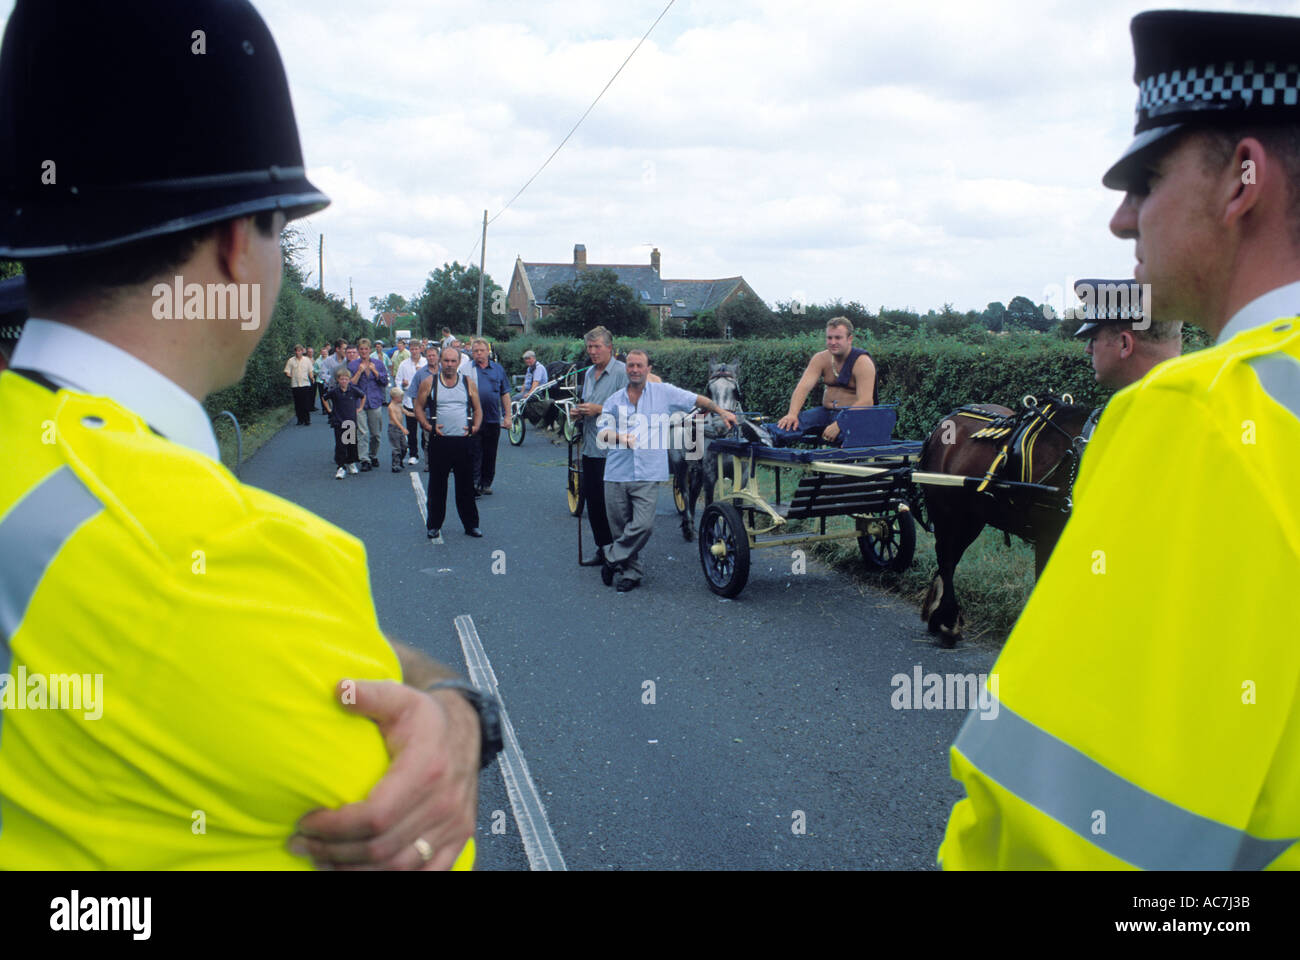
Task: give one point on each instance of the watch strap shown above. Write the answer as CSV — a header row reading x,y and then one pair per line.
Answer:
x,y
491,740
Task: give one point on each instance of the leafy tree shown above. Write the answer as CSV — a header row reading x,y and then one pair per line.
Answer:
x,y
947,323
995,316
702,326
1023,314
9,268
450,299
394,302
1064,329
293,244
595,298
898,323
749,317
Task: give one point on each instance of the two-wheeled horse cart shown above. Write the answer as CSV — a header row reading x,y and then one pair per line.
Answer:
x,y
869,479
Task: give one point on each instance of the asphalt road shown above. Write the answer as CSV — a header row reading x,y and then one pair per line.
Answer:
x,y
770,712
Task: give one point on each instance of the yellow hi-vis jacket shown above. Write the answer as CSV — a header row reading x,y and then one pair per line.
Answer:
x,y
1150,692
171,641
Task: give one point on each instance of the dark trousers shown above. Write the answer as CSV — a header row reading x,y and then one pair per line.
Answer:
x,y
416,447
302,402
485,454
593,490
344,453
451,455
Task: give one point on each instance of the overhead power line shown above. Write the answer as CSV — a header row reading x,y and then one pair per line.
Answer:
x,y
518,192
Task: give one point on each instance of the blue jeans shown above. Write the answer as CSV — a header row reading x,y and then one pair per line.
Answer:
x,y
811,424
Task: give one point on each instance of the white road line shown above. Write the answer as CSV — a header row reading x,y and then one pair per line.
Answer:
x,y
530,815
421,501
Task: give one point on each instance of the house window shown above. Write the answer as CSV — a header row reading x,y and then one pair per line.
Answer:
x,y
728,333
683,328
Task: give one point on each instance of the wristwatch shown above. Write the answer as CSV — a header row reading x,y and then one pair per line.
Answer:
x,y
491,739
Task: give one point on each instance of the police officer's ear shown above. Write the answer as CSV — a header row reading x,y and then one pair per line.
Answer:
x,y
1250,173
1127,343
242,245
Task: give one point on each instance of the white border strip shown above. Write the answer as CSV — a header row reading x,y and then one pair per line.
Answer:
x,y
530,815
421,501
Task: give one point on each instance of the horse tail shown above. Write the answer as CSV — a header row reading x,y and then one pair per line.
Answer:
x,y
924,462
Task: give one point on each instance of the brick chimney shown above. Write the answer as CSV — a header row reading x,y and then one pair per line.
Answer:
x,y
580,255
654,259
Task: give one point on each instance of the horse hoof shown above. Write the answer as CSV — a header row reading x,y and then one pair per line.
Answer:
x,y
688,535
948,636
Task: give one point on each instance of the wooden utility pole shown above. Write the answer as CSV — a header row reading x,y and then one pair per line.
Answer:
x,y
322,264
482,259
351,299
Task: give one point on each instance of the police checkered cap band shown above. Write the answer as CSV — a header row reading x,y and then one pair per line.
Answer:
x,y
1204,68
1232,87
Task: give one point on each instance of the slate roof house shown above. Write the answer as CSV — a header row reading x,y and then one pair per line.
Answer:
x,y
675,301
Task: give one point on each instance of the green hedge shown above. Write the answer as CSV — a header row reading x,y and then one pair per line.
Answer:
x,y
927,377
300,316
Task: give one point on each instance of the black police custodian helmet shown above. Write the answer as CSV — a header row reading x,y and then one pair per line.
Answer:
x,y
1197,69
126,120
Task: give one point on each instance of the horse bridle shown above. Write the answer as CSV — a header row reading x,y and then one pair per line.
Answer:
x,y
1074,444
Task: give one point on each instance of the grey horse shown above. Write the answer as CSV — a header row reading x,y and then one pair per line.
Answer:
x,y
690,465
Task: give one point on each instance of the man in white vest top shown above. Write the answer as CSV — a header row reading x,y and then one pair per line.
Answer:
x,y
449,412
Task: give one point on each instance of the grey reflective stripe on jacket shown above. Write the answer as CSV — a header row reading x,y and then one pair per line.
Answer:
x,y
1279,375
31,535
1141,828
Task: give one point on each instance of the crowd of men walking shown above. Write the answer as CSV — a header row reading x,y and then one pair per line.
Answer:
x,y
436,399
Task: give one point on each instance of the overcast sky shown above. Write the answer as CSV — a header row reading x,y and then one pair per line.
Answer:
x,y
904,154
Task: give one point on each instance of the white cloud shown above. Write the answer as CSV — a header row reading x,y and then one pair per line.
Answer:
x,y
920,153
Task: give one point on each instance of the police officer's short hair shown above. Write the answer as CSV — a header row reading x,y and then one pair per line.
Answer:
x,y
1281,140
1154,333
54,282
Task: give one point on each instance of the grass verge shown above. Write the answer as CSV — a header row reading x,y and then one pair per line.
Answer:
x,y
993,581
256,432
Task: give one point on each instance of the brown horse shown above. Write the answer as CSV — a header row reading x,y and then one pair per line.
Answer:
x,y
958,513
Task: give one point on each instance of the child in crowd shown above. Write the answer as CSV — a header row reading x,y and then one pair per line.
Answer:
x,y
397,432
343,402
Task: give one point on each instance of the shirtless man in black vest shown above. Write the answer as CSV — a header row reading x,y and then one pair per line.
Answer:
x,y
849,377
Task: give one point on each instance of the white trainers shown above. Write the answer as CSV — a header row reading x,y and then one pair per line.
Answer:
x,y
339,475
352,468
412,460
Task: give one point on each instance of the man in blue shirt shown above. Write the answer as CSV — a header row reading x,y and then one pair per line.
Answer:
x,y
536,375
369,374
634,428
494,397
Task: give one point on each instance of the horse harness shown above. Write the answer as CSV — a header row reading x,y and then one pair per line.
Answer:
x,y
1018,434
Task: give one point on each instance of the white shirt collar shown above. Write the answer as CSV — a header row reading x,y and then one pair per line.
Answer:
x,y
1282,302
82,362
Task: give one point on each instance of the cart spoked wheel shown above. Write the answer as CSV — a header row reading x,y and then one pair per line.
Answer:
x,y
679,495
888,543
724,549
517,429
570,428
